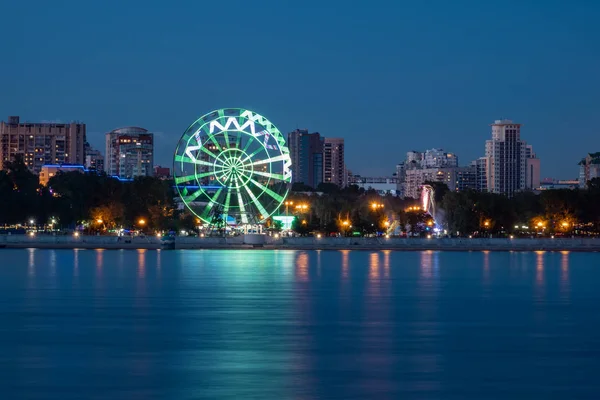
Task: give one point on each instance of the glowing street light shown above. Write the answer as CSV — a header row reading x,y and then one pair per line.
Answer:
x,y
302,207
287,204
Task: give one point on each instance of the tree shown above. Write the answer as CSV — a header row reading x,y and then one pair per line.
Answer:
x,y
460,212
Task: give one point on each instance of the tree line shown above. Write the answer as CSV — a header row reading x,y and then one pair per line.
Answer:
x,y
103,203
97,200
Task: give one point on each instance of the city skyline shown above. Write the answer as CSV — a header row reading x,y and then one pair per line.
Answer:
x,y
414,76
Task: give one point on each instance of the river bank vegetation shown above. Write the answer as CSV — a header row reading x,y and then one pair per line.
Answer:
x,y
101,204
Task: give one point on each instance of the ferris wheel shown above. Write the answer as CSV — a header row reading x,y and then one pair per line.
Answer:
x,y
232,165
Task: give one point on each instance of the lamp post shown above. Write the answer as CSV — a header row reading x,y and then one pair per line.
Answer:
x,y
141,223
287,204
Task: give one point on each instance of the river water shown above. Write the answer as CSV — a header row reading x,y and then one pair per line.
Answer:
x,y
227,324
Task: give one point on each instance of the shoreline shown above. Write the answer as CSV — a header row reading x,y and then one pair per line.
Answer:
x,y
260,242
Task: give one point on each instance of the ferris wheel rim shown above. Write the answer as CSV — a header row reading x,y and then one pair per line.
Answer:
x,y
236,173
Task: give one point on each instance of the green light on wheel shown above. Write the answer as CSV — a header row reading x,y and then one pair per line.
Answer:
x,y
233,163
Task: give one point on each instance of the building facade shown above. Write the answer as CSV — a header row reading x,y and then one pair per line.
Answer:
x,y
306,153
48,171
162,172
438,158
433,165
94,160
480,166
334,166
456,178
511,164
41,143
589,168
129,153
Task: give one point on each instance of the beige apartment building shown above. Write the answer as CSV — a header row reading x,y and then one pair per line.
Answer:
x,y
42,143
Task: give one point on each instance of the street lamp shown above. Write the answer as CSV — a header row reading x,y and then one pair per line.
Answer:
x,y
287,204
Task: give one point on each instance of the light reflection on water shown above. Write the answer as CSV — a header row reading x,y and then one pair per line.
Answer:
x,y
298,324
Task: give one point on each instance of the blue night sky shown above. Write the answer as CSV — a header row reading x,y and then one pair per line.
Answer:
x,y
388,76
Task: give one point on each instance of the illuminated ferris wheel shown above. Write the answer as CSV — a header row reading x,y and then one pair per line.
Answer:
x,y
232,165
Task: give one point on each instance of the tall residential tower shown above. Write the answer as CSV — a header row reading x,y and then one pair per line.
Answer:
x,y
511,164
129,153
306,152
334,167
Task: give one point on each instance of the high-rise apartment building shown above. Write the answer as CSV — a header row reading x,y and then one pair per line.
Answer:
x,y
306,153
456,178
434,165
129,153
481,174
438,158
511,165
334,167
94,160
589,168
42,143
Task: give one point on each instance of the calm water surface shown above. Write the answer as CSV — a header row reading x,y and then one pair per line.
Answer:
x,y
91,324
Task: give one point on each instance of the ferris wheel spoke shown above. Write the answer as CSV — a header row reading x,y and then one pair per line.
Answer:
x,y
238,140
268,175
251,155
210,153
242,207
270,160
227,176
250,140
211,203
232,166
192,197
256,202
267,190
182,179
195,161
227,199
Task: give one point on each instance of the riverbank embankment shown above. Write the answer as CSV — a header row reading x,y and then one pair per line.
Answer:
x,y
302,243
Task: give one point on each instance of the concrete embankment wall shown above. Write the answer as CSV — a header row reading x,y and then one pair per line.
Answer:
x,y
307,243
81,242
446,244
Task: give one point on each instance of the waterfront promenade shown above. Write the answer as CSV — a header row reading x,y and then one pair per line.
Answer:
x,y
303,243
